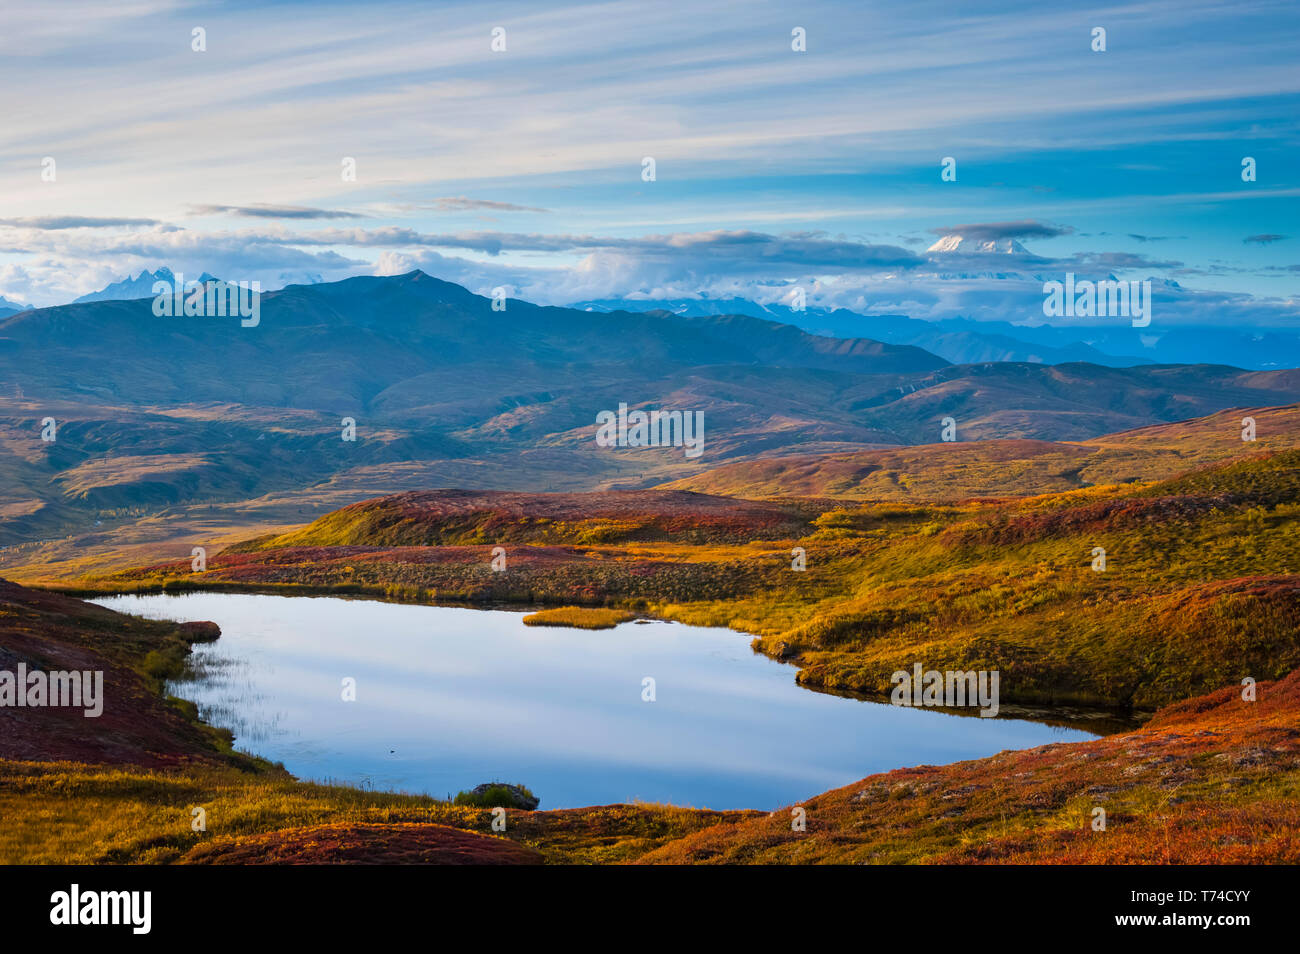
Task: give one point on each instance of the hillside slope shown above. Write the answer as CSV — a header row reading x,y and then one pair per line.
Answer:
x,y
53,633
991,468
462,517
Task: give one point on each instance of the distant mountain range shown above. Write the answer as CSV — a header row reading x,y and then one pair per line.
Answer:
x,y
958,340
8,307
414,348
979,270
965,341
446,390
141,286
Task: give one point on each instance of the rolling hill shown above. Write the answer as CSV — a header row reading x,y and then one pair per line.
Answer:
x,y
996,468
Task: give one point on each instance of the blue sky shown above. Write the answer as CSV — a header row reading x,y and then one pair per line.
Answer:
x,y
773,167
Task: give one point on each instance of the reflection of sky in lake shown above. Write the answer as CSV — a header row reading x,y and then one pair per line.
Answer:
x,y
448,698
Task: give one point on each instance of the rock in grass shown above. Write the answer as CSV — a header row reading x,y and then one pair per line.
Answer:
x,y
499,795
200,631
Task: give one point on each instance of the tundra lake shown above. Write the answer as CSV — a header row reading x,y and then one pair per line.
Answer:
x,y
447,698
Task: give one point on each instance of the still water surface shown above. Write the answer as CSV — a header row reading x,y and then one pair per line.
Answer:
x,y
447,698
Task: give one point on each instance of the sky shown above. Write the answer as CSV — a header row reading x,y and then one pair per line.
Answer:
x,y
774,167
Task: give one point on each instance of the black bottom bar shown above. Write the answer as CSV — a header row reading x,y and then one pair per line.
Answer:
x,y
328,904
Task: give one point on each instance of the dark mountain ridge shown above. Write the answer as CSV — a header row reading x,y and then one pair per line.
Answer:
x,y
446,390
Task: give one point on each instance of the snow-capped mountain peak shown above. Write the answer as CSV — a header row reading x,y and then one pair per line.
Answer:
x,y
970,246
140,286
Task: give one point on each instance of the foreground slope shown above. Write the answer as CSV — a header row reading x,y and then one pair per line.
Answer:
x,y
52,633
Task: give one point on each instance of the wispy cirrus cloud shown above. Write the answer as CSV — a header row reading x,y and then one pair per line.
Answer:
x,y
274,212
60,222
1119,261
460,203
760,249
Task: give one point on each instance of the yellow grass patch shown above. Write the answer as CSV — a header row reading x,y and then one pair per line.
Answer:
x,y
580,616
